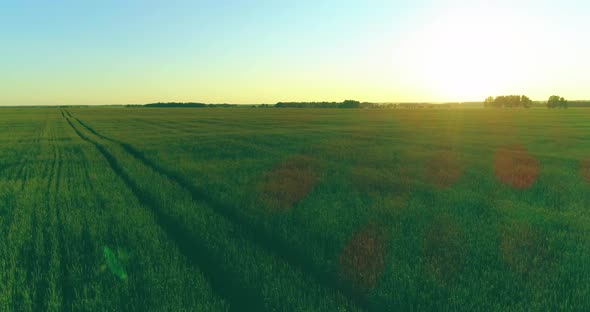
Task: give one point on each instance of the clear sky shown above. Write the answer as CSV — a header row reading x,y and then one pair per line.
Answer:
x,y
111,52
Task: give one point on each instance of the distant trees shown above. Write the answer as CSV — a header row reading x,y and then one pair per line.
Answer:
x,y
489,102
175,104
513,101
577,104
306,104
189,104
556,101
508,101
345,104
350,104
526,102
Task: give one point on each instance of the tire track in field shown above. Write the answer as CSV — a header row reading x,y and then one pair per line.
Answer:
x,y
45,239
50,257
29,260
259,236
67,292
64,281
196,255
70,294
53,233
37,262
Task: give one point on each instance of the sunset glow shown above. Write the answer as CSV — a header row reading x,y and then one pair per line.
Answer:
x,y
264,52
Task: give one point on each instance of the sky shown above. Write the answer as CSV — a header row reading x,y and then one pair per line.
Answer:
x,y
249,52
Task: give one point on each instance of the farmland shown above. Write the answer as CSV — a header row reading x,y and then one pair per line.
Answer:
x,y
239,209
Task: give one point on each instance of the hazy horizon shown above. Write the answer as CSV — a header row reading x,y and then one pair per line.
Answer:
x,y
283,101
251,52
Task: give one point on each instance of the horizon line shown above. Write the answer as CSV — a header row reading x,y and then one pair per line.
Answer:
x,y
245,104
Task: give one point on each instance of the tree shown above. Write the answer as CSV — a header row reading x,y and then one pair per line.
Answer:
x,y
501,101
555,101
350,104
489,102
562,103
508,101
526,102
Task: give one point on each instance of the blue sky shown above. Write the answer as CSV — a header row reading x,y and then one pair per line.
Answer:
x,y
107,52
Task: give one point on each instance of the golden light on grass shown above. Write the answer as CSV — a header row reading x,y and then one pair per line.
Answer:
x,y
363,259
515,167
289,182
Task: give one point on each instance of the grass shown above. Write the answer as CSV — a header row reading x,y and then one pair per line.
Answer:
x,y
294,209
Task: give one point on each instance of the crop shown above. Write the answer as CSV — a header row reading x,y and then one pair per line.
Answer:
x,y
196,209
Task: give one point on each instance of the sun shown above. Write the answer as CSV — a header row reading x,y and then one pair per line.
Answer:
x,y
469,54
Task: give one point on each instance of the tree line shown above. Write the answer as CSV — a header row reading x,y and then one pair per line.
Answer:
x,y
556,101
508,101
189,104
516,101
344,104
501,101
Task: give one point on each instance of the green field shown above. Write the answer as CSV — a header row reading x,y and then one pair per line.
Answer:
x,y
240,209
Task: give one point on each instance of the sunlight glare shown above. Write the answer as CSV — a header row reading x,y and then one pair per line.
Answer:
x,y
466,53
